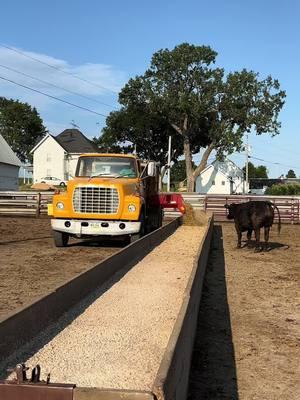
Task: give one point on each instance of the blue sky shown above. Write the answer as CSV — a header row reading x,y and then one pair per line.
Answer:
x,y
109,42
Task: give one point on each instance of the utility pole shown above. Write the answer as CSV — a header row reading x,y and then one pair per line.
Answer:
x,y
246,189
169,164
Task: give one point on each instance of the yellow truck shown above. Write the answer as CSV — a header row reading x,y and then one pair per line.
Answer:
x,y
110,195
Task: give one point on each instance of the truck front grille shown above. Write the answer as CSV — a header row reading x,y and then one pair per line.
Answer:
x,y
96,200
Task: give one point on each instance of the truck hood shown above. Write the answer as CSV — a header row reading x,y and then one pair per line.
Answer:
x,y
124,185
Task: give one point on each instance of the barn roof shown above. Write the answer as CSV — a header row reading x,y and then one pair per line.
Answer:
x,y
7,156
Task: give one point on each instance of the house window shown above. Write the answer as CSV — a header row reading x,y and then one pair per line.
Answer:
x,y
223,183
213,183
48,157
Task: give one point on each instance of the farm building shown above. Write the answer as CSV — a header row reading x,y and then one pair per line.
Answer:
x,y
9,167
57,156
221,177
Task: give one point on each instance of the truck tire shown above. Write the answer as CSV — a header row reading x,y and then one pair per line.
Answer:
x,y
127,240
160,217
60,238
143,230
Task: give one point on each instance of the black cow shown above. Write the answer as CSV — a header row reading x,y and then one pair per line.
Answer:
x,y
252,216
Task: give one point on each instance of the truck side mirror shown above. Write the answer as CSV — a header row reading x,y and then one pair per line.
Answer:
x,y
151,168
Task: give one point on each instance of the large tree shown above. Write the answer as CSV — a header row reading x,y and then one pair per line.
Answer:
x,y
256,172
21,126
201,106
291,174
137,129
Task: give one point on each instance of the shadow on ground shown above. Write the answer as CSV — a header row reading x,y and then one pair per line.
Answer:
x,y
213,369
271,245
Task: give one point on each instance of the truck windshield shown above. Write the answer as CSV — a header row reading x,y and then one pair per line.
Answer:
x,y
106,166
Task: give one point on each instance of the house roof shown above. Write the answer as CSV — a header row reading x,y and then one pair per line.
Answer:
x,y
7,156
221,170
72,141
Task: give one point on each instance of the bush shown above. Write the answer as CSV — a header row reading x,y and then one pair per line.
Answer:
x,y
287,189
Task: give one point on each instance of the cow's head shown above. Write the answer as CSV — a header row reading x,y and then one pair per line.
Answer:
x,y
231,210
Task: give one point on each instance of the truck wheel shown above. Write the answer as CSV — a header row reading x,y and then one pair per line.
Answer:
x,y
60,238
127,240
143,230
160,218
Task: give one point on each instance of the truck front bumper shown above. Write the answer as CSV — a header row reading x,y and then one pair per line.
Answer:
x,y
95,227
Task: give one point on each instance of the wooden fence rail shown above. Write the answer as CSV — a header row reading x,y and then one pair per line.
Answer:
x,y
35,204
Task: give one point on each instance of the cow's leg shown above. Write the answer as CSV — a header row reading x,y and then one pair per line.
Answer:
x,y
249,233
267,234
257,239
239,233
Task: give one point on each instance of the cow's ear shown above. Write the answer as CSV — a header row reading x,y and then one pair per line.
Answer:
x,y
226,205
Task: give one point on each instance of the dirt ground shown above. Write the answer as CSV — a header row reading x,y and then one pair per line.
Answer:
x,y
248,337
30,264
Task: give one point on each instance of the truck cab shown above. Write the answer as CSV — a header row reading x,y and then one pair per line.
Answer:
x,y
110,195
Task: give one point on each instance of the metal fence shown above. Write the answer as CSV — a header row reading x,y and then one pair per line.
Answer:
x,y
289,207
32,204
35,204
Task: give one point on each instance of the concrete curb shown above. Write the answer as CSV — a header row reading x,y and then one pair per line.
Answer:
x,y
103,394
25,323
172,378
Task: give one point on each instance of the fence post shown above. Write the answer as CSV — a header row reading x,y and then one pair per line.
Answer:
x,y
38,205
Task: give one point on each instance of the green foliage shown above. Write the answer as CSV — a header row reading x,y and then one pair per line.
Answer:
x,y
256,172
136,128
21,126
183,93
288,189
291,174
178,171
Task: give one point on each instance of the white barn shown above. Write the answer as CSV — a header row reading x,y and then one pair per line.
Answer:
x,y
9,167
57,156
221,177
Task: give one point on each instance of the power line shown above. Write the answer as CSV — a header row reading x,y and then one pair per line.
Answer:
x,y
53,97
57,69
272,162
56,86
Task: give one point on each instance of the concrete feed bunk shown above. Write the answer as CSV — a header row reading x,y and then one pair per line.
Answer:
x,y
120,341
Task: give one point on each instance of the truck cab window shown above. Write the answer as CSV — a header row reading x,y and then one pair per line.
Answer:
x,y
107,166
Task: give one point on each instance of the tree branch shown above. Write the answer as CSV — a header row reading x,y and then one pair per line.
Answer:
x,y
177,129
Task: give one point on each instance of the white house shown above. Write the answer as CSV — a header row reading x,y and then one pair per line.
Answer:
x,y
57,156
221,177
9,167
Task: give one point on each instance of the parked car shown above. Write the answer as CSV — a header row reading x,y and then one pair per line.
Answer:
x,y
51,180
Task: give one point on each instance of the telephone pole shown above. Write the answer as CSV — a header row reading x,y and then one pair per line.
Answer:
x,y
169,164
246,189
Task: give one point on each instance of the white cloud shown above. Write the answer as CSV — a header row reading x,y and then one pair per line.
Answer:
x,y
106,79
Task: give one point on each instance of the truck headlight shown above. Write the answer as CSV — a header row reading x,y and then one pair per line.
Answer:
x,y
60,205
131,208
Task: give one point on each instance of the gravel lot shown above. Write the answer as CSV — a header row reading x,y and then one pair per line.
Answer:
x,y
248,338
30,264
121,333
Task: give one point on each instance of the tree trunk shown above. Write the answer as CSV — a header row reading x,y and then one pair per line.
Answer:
x,y
203,162
188,165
